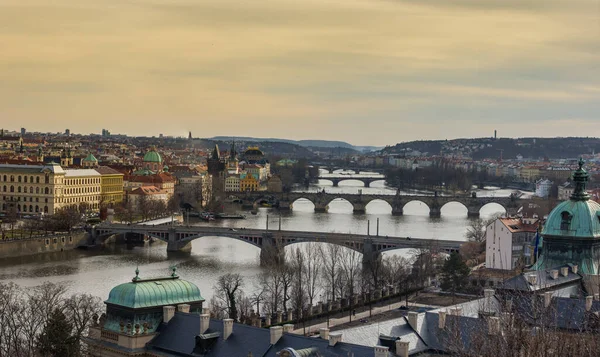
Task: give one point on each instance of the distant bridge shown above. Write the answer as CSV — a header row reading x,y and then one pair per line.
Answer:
x,y
272,242
321,201
366,180
355,169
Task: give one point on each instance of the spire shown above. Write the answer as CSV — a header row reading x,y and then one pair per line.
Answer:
x,y
137,275
232,154
580,178
216,155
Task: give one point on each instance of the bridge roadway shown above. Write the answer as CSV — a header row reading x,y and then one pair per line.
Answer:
x,y
271,242
321,200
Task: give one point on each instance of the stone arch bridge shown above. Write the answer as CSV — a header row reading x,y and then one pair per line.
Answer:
x,y
271,242
366,180
321,200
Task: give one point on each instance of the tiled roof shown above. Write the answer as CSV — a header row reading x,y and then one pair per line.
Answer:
x,y
81,173
105,170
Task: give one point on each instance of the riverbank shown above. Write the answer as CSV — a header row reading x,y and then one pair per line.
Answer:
x,y
43,244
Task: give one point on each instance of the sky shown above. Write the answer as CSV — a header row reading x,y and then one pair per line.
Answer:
x,y
369,72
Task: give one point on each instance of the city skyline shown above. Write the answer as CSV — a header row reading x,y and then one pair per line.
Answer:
x,y
365,72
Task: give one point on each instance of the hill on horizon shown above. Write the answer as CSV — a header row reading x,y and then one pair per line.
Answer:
x,y
304,143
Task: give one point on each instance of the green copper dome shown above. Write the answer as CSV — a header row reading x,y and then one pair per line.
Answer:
x,y
152,156
579,217
154,292
90,158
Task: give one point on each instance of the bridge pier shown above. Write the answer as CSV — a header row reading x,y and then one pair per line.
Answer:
x,y
272,251
359,208
336,183
370,255
174,244
320,208
285,205
435,212
473,213
397,210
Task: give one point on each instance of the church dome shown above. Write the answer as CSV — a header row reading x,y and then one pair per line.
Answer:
x,y
90,158
253,151
152,156
579,217
154,292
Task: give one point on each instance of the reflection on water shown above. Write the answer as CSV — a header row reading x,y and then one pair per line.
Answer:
x,y
97,271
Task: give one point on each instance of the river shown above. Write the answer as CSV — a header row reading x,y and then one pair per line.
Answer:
x,y
98,271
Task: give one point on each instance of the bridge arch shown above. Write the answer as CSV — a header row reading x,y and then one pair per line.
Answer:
x,y
352,179
492,208
329,181
416,207
302,202
459,205
379,202
338,205
355,246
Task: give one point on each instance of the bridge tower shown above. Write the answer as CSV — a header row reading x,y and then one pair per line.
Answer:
x,y
216,168
370,254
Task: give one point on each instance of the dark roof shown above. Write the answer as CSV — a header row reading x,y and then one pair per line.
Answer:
x,y
105,170
544,280
178,338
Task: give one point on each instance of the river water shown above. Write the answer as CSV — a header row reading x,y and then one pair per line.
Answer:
x,y
97,271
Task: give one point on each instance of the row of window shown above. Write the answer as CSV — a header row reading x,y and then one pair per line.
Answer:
x,y
18,199
24,189
72,182
26,208
11,178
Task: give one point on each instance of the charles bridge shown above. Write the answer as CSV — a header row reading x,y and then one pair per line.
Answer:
x,y
321,201
271,242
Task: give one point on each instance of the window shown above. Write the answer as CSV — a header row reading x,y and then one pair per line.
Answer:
x,y
46,190
565,220
31,179
47,179
19,178
4,188
31,189
37,190
19,189
25,179
37,179
12,188
12,178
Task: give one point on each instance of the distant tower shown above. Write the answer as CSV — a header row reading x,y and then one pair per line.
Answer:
x,y
216,168
40,154
495,137
190,136
23,131
67,132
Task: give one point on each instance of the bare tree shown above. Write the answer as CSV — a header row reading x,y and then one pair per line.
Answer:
x,y
331,258
228,289
312,272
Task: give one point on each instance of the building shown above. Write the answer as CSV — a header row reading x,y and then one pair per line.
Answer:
x,y
152,172
217,169
164,317
111,185
508,242
90,161
47,188
542,187
565,191
136,195
232,183
275,184
571,234
248,183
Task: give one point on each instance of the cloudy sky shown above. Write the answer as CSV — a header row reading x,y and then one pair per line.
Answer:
x,y
364,71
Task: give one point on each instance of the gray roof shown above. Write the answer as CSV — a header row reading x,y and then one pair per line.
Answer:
x,y
178,338
544,281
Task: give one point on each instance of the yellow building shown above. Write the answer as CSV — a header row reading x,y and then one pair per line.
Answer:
x,y
530,173
111,185
248,183
36,189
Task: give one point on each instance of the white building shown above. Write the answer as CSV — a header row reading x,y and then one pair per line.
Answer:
x,y
542,188
565,191
232,183
508,241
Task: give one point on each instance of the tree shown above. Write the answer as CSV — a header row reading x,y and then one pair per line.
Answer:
x,y
56,339
476,231
228,289
331,258
455,274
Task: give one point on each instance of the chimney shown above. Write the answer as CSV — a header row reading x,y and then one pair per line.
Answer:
x,y
575,268
442,319
457,311
205,311
413,317
596,297
589,300
381,351
402,348
204,322
183,308
324,333
493,325
547,298
334,338
227,328
532,279
554,274
488,293
564,271
288,328
168,313
509,304
276,332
